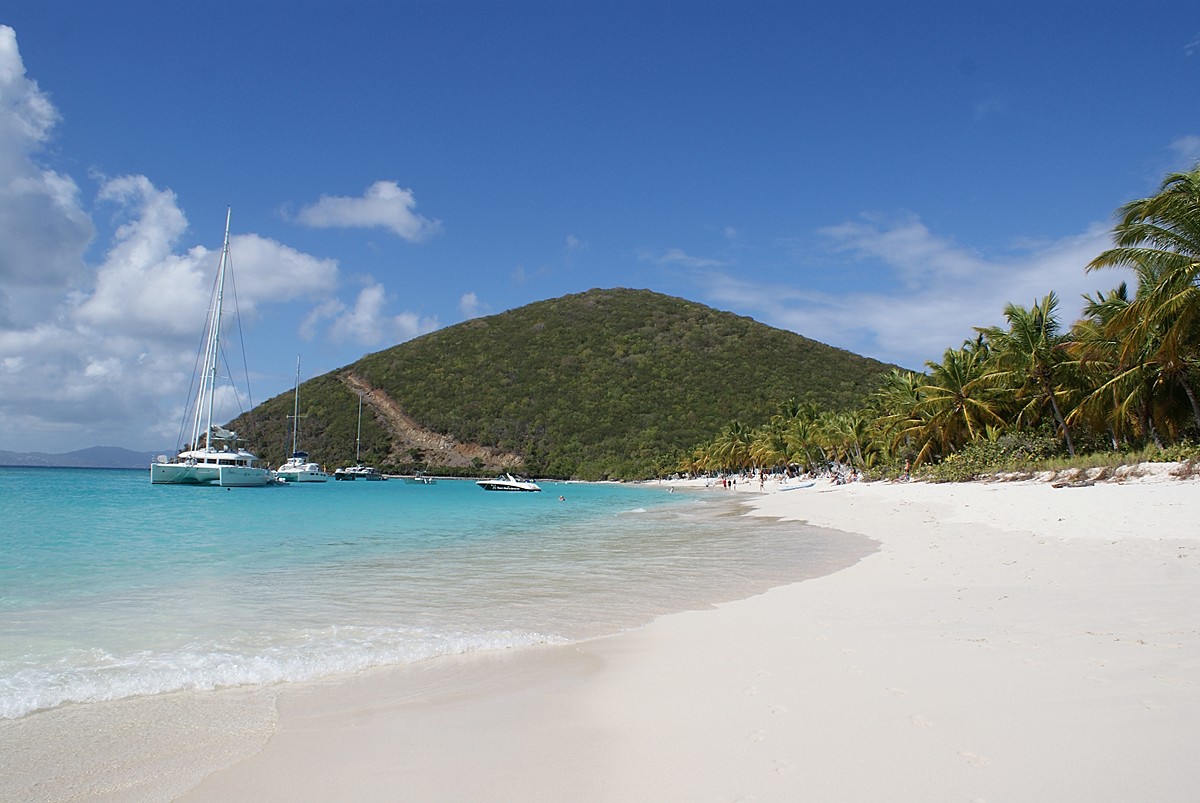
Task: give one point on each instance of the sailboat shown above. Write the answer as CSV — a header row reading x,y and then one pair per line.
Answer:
x,y
219,461
358,471
298,468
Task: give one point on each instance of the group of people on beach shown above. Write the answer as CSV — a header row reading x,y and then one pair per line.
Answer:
x,y
837,474
730,481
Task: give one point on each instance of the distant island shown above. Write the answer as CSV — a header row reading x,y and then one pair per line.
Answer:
x,y
93,457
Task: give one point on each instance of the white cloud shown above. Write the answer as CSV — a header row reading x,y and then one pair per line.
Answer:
x,y
384,204
46,231
944,291
28,114
367,323
271,272
469,306
144,284
906,245
1188,148
677,256
989,107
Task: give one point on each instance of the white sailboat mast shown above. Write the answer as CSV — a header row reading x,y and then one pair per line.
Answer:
x,y
208,382
358,437
296,411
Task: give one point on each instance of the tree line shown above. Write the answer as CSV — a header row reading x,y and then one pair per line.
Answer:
x,y
1124,377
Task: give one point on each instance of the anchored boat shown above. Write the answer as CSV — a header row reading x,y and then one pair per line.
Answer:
x,y
214,456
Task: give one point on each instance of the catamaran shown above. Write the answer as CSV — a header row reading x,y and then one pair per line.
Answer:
x,y
298,468
219,459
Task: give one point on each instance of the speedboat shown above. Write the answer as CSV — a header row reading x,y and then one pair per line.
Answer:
x,y
507,482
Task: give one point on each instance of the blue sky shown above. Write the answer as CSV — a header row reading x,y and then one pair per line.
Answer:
x,y
877,176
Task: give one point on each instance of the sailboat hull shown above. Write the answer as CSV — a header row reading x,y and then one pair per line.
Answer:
x,y
224,476
183,474
295,471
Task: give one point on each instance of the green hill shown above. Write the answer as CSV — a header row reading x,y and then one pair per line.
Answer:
x,y
607,383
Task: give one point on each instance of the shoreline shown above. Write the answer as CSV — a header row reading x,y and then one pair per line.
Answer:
x,y
1007,641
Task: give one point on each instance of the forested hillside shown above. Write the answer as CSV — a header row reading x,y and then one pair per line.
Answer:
x,y
607,383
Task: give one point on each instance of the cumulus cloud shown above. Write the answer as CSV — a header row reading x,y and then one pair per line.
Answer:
x,y
1188,149
106,353
915,255
46,231
383,205
144,284
678,257
989,107
469,306
367,322
944,290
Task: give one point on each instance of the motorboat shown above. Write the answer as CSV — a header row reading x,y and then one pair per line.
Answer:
x,y
420,479
507,482
213,456
358,473
298,468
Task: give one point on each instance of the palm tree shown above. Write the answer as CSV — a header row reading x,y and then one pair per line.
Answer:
x,y
897,407
731,449
955,406
1030,359
1096,349
845,436
1160,238
803,442
768,443
1119,368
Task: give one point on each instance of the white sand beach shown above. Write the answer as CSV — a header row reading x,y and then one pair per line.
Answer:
x,y
1008,642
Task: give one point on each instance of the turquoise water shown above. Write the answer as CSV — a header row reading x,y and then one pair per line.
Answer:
x,y
111,587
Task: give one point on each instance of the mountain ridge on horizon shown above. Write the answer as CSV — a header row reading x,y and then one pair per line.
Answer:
x,y
90,457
